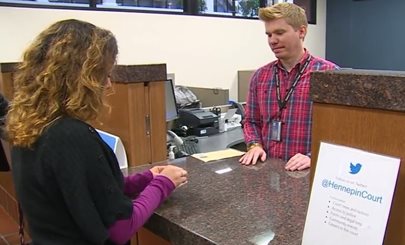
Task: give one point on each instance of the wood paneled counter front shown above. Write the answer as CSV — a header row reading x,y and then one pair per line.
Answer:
x,y
260,204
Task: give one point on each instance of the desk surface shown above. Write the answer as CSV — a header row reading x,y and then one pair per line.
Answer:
x,y
261,204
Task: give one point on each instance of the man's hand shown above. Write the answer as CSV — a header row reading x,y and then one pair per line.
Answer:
x,y
253,155
298,162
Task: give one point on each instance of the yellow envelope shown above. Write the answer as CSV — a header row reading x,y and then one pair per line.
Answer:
x,y
217,155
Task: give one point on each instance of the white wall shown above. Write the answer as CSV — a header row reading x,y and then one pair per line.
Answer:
x,y
201,51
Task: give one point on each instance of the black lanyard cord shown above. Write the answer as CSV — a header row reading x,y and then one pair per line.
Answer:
x,y
282,103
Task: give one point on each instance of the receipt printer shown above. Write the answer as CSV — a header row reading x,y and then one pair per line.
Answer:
x,y
199,122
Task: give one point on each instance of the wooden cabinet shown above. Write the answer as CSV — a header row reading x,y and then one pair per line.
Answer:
x,y
7,71
7,193
146,237
137,112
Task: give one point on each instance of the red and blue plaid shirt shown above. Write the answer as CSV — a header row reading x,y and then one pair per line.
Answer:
x,y
262,108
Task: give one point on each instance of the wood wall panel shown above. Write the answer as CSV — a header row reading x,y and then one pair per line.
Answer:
x,y
158,121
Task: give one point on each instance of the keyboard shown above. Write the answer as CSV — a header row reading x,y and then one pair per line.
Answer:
x,y
190,145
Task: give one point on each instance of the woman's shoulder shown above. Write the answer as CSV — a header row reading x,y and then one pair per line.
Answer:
x,y
68,128
70,123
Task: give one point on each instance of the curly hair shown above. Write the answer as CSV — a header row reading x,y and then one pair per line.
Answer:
x,y
63,73
292,13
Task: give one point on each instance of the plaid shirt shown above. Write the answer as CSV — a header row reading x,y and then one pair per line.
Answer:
x,y
262,107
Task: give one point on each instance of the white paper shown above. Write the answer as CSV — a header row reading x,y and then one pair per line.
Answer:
x,y
351,197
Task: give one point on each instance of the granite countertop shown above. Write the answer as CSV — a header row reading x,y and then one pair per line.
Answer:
x,y
261,204
371,89
120,74
139,73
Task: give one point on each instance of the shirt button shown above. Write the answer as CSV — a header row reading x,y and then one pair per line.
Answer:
x,y
91,129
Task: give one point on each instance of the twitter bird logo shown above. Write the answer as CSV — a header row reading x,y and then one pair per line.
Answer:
x,y
355,169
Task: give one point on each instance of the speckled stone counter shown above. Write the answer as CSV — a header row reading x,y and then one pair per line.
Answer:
x,y
121,73
139,73
261,204
361,88
8,67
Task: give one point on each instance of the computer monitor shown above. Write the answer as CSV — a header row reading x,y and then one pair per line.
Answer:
x,y
171,107
115,143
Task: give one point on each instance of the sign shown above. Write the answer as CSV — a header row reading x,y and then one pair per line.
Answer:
x,y
350,198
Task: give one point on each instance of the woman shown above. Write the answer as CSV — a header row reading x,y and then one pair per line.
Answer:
x,y
67,179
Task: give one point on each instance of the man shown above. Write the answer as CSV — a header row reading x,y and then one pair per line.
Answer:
x,y
278,115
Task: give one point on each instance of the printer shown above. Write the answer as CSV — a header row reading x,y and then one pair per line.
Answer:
x,y
199,122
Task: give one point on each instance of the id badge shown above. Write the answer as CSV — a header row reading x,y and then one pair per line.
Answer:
x,y
276,130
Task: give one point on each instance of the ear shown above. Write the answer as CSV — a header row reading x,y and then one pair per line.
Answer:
x,y
302,32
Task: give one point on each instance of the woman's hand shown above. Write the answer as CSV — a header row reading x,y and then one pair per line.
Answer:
x,y
156,170
176,174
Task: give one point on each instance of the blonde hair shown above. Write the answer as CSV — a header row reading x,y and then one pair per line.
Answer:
x,y
293,14
63,72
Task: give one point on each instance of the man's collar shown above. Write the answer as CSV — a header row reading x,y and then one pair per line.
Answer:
x,y
298,65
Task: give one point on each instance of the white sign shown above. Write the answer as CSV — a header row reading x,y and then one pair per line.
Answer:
x,y
350,198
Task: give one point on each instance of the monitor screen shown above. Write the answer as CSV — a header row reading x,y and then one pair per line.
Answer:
x,y
115,143
109,139
171,107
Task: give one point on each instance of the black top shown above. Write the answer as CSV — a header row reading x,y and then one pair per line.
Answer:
x,y
3,105
3,111
69,185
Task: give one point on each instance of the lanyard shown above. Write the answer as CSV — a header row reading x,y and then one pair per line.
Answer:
x,y
282,103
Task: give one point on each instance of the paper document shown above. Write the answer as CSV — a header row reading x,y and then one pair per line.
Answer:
x,y
229,114
217,155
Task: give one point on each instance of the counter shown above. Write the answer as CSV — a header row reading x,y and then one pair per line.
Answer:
x,y
261,204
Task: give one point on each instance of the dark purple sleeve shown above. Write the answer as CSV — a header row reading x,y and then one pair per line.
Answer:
x,y
142,208
136,183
